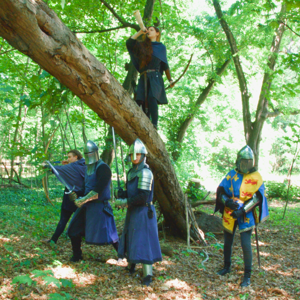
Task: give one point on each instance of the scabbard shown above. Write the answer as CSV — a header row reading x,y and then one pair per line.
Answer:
x,y
146,93
257,246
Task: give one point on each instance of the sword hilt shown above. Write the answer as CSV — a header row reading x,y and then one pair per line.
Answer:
x,y
69,192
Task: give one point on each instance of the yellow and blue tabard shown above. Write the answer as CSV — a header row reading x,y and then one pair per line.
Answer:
x,y
241,187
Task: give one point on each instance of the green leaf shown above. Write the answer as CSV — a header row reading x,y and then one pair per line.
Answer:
x,y
66,282
23,279
56,296
39,273
49,279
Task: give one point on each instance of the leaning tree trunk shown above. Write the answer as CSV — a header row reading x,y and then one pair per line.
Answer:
x,y
35,30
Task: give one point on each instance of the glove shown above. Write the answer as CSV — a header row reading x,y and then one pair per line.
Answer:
x,y
231,204
118,193
237,213
121,203
79,201
73,196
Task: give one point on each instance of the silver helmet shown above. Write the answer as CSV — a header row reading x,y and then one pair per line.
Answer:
x,y
245,160
91,153
137,147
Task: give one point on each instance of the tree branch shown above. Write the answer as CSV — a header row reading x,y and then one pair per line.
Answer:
x,y
102,30
262,106
202,97
121,20
287,26
7,51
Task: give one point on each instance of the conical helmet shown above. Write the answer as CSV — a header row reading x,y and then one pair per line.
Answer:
x,y
91,153
245,160
137,147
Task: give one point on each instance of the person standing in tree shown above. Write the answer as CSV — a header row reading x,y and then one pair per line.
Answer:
x,y
72,171
94,218
150,59
139,242
239,194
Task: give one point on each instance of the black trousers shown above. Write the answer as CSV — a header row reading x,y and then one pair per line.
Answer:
x,y
77,230
152,107
65,216
246,246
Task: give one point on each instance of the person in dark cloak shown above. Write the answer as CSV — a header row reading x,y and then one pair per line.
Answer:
x,y
240,193
94,218
72,171
150,59
139,242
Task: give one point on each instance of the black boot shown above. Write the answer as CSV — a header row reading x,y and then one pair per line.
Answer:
x,y
76,247
116,246
246,280
225,270
147,280
131,268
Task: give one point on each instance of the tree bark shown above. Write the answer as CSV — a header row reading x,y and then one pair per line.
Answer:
x,y
36,31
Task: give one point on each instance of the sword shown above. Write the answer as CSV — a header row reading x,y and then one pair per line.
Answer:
x,y
115,149
60,178
257,246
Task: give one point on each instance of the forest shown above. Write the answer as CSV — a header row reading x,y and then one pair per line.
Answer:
x,y
67,77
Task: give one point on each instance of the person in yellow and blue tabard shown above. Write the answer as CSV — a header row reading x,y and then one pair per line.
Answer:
x,y
241,200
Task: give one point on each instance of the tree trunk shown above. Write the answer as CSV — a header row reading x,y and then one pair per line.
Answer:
x,y
253,130
108,153
35,30
262,107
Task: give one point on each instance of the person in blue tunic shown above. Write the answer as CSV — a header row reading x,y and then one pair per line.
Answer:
x,y
150,59
139,242
94,218
241,200
72,171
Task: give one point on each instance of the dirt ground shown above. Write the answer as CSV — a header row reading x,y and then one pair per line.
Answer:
x,y
184,274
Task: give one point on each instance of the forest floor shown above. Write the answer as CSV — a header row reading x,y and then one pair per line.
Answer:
x,y
29,269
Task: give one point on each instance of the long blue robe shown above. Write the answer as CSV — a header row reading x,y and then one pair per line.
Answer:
x,y
100,228
139,242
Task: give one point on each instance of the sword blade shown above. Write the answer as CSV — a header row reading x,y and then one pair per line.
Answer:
x,y
115,149
60,178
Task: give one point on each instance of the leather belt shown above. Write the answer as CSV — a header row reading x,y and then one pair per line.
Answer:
x,y
149,71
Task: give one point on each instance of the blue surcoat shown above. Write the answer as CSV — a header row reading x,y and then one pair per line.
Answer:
x,y
100,228
139,242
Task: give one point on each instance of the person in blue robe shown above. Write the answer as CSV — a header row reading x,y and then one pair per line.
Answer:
x,y
94,218
150,59
241,200
139,242
72,171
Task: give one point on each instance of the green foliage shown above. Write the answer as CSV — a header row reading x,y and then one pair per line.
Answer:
x,y
62,296
25,279
279,190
